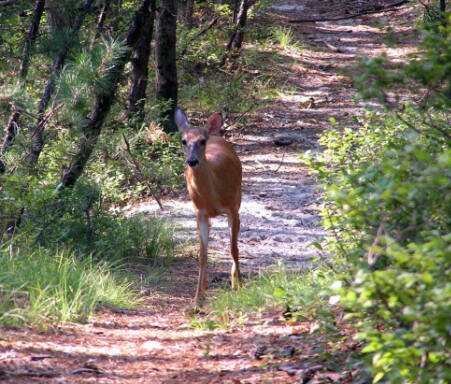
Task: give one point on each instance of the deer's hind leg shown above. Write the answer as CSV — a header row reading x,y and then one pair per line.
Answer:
x,y
234,226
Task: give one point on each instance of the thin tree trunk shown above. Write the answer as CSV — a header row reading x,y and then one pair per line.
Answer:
x,y
100,22
37,135
103,101
31,37
189,11
13,122
140,66
165,57
59,15
237,36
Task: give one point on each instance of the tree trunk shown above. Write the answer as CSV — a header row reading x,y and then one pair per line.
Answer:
x,y
140,66
59,14
240,18
13,122
31,37
165,57
100,22
189,11
37,135
103,101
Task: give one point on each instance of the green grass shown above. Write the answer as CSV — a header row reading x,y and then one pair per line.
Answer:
x,y
283,37
306,293
41,288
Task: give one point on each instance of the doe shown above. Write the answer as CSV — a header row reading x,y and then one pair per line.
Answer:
x,y
213,176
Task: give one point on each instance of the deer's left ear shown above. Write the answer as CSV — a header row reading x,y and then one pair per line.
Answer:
x,y
214,124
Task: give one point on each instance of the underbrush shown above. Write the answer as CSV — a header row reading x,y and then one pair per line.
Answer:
x,y
388,204
78,219
71,253
303,296
42,288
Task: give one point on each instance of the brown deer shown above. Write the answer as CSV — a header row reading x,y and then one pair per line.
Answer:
x,y
213,176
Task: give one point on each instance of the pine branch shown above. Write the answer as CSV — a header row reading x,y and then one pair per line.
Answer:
x,y
102,105
37,135
13,122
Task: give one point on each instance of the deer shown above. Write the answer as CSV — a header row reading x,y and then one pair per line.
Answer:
x,y
213,174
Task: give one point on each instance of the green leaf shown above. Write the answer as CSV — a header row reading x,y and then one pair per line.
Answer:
x,y
378,377
279,292
316,245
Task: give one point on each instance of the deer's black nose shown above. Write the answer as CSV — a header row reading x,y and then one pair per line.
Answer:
x,y
192,162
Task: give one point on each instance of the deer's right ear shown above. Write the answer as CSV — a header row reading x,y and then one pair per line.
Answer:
x,y
181,120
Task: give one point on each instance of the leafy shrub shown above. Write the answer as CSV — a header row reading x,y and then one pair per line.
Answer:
x,y
69,252
133,163
388,203
78,219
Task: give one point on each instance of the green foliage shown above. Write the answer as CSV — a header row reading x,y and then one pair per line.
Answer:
x,y
283,36
43,288
78,219
204,83
63,260
134,163
388,203
431,75
304,293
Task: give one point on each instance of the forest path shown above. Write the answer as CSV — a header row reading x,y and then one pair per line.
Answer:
x,y
156,344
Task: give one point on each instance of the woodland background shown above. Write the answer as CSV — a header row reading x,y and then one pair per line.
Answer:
x,y
88,91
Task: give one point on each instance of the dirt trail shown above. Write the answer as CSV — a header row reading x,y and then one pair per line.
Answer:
x,y
279,221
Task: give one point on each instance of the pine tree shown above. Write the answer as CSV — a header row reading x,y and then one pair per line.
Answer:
x,y
166,67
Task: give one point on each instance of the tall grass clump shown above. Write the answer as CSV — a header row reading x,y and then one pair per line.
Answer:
x,y
283,37
43,288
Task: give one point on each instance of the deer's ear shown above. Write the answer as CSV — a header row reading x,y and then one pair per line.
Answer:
x,y
214,124
180,120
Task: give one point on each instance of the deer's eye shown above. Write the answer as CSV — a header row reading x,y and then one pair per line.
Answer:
x,y
203,142
183,142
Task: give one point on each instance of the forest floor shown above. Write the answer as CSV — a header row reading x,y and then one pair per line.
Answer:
x,y
156,344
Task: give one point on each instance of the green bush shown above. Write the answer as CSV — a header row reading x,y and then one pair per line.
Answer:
x,y
68,252
78,219
388,203
135,162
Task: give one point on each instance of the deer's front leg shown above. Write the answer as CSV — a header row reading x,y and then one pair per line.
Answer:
x,y
203,229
